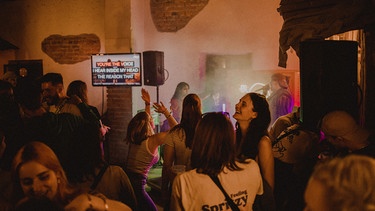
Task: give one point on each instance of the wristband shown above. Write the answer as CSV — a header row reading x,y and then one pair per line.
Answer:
x,y
147,104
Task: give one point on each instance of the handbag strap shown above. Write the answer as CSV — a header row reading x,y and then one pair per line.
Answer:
x,y
232,205
98,177
294,131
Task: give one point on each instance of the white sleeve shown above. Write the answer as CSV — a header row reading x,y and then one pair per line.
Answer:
x,y
176,201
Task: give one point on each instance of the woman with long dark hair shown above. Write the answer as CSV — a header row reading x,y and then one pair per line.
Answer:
x,y
178,142
214,157
252,120
179,94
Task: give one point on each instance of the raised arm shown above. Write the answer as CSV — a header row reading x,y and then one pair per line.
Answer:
x,y
147,99
266,160
158,139
160,108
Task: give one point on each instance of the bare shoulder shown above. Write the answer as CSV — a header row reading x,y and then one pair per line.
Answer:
x,y
265,142
157,139
158,136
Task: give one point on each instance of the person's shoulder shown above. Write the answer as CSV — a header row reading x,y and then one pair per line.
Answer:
x,y
68,116
176,131
265,141
49,116
71,108
191,177
114,167
247,162
265,145
158,136
115,171
175,101
249,165
69,105
285,92
282,122
95,110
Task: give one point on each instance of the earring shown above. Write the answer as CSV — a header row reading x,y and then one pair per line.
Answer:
x,y
58,180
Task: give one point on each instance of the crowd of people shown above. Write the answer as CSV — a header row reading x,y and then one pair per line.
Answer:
x,y
51,154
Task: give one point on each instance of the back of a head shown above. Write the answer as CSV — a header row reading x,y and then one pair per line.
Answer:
x,y
137,129
348,182
213,144
78,88
281,79
54,78
179,93
338,123
191,114
191,105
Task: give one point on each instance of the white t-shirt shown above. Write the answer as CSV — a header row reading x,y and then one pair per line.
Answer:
x,y
193,191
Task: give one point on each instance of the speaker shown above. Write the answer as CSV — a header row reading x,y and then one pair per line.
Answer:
x,y
153,68
328,76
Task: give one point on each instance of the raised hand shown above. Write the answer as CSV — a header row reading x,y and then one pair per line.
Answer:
x,y
160,108
145,96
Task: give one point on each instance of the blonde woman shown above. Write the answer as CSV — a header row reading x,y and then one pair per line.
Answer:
x,y
342,184
38,174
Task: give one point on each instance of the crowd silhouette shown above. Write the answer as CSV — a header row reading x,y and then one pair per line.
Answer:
x,y
51,155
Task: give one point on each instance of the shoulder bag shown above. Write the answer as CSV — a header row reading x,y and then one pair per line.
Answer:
x,y
232,205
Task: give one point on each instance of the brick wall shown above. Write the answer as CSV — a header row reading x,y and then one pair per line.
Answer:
x,y
118,116
71,49
173,15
